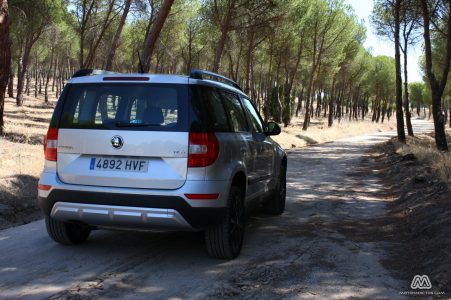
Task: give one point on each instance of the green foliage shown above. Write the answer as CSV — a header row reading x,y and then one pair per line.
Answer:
x,y
30,18
383,78
417,91
272,48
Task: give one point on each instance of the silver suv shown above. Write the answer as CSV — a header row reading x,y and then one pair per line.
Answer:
x,y
159,152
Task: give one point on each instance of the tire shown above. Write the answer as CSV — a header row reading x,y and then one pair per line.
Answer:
x,y
66,233
226,239
276,204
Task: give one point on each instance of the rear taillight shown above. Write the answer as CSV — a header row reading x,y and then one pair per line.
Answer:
x,y
51,144
203,149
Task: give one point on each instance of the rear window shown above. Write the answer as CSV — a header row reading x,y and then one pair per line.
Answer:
x,y
159,107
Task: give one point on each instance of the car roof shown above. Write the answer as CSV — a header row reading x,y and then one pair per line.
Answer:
x,y
153,78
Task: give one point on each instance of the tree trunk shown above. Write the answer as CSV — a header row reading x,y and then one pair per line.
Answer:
x,y
36,74
152,37
437,87
218,51
47,78
27,85
301,97
20,81
5,56
449,116
330,120
308,102
117,35
81,55
406,92
55,68
189,59
40,82
90,59
399,113
11,81
249,53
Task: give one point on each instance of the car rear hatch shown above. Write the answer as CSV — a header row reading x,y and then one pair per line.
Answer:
x,y
121,134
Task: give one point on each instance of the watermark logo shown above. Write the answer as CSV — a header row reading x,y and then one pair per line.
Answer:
x,y
421,282
421,286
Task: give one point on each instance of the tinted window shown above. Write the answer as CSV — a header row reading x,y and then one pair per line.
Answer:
x,y
235,112
218,113
257,124
214,109
149,107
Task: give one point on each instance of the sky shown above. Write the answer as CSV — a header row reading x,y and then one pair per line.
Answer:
x,y
382,46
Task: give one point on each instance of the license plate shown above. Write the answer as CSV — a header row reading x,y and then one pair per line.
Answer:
x,y
119,164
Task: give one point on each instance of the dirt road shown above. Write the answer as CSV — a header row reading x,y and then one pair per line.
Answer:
x,y
304,254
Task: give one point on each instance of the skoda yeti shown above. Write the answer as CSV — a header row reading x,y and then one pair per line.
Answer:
x,y
159,152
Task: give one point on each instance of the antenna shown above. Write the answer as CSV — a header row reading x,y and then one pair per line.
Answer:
x,y
141,67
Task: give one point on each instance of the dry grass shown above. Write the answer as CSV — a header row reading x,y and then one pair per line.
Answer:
x,y
21,151
21,159
424,149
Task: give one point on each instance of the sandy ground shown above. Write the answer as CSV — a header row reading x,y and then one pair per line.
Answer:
x,y
304,254
293,136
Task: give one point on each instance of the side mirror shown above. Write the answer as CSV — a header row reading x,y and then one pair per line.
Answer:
x,y
273,128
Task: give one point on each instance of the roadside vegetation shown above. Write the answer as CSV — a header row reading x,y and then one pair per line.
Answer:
x,y
417,177
422,148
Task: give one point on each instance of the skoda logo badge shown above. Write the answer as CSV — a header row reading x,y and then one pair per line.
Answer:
x,y
117,142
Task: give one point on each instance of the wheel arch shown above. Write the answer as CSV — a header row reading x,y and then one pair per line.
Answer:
x,y
239,179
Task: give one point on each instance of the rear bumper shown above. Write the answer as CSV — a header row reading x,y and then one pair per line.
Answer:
x,y
126,210
133,208
120,216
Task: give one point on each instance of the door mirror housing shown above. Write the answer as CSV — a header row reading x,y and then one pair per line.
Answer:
x,y
273,128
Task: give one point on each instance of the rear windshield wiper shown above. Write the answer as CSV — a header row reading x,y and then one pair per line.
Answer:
x,y
127,124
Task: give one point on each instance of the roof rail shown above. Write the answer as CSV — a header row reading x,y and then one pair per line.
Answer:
x,y
89,72
199,74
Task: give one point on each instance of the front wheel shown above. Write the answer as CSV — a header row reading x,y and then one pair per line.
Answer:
x,y
226,239
66,233
276,204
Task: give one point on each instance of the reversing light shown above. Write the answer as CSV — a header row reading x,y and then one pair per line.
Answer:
x,y
203,149
51,144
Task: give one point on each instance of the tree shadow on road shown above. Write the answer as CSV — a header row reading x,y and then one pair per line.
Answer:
x,y
322,246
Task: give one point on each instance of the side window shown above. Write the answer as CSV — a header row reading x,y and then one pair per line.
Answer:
x,y
257,124
235,112
217,112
